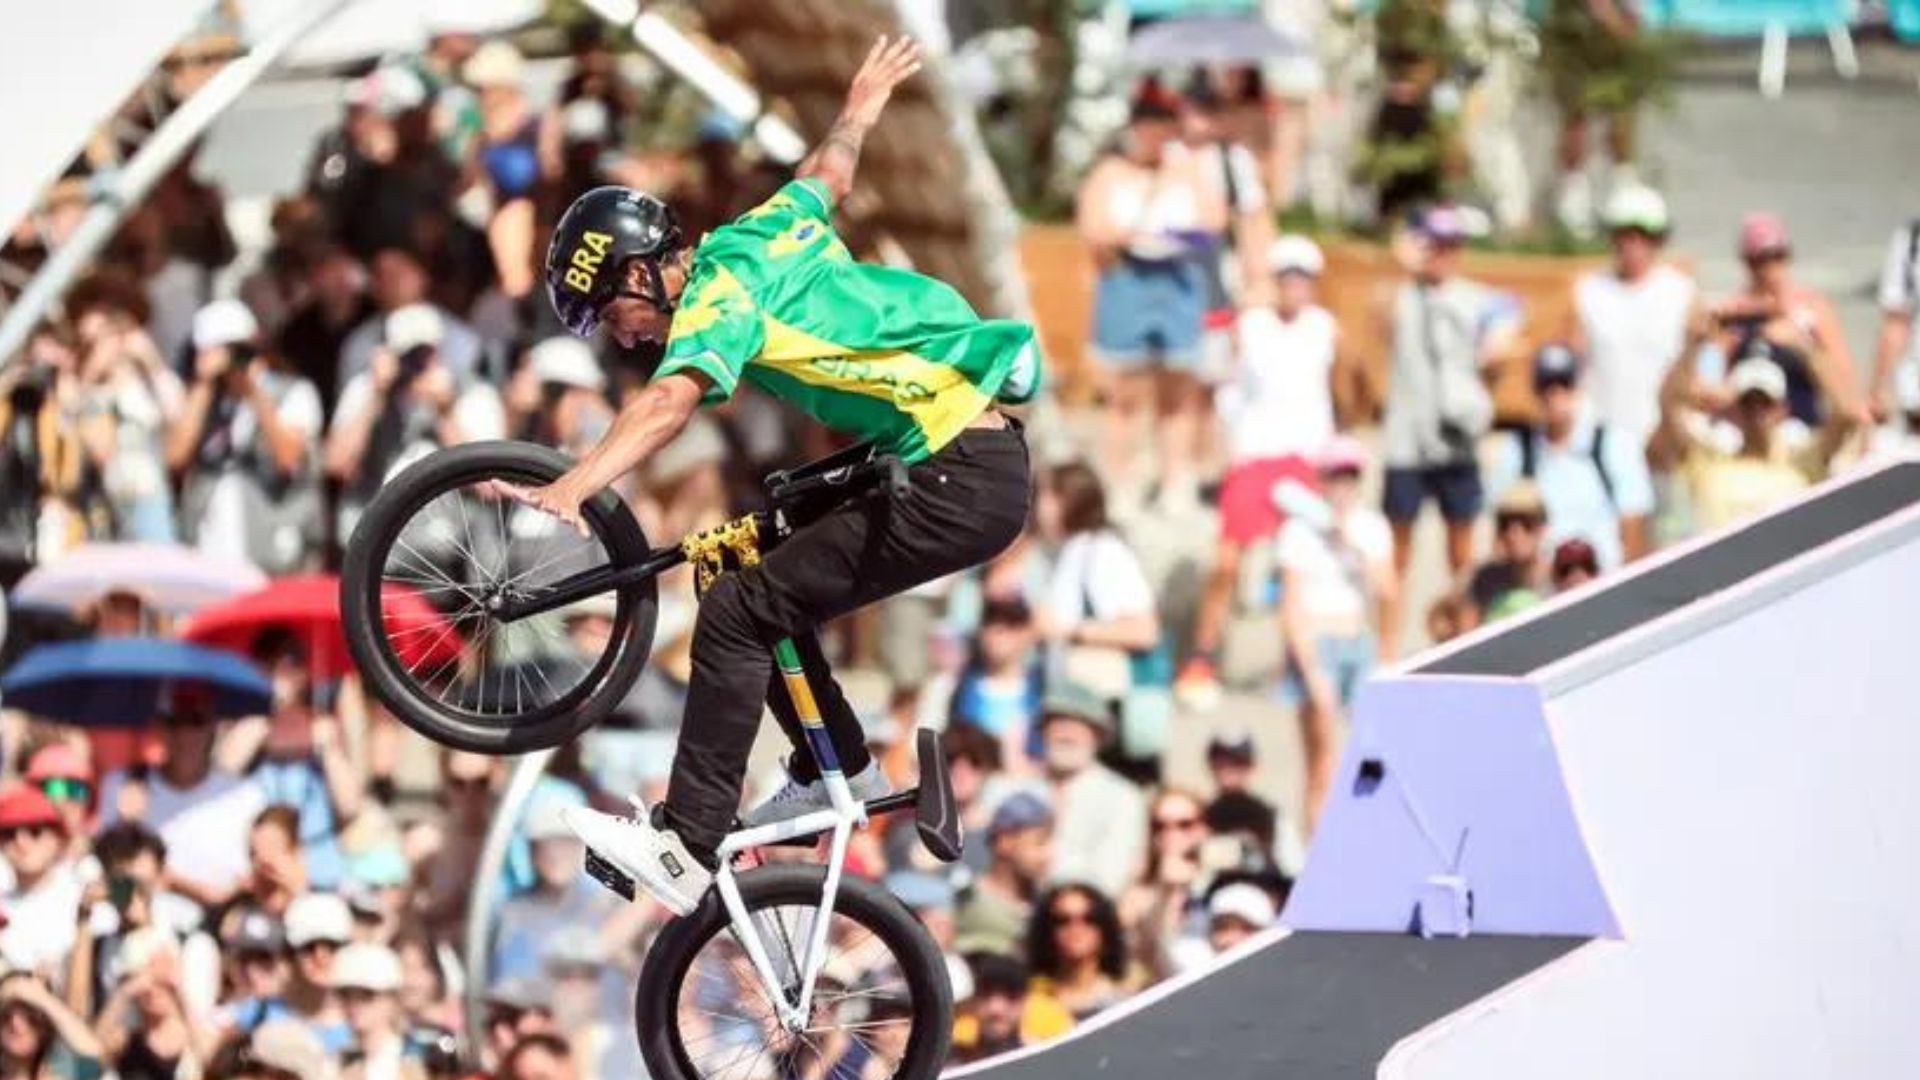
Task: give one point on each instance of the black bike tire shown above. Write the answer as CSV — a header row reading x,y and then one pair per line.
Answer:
x,y
360,582
872,906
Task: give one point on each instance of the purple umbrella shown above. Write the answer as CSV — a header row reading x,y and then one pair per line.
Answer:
x,y
175,579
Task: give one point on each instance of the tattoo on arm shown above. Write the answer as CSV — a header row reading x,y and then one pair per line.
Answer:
x,y
833,161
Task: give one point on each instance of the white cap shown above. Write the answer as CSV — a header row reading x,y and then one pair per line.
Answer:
x,y
495,63
1296,254
1758,373
363,966
412,325
318,917
1244,901
388,89
1637,206
1906,387
139,947
546,821
223,322
567,360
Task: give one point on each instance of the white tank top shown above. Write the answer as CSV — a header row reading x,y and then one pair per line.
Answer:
x,y
1156,204
1634,334
1279,402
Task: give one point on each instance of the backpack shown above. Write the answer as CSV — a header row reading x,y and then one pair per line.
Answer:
x,y
1530,458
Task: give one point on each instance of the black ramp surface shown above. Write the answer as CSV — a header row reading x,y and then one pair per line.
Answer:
x,y
1314,1006
1692,577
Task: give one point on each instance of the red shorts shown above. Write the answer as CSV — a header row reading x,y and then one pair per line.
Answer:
x,y
1247,509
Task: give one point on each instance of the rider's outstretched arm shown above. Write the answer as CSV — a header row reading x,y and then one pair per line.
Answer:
x,y
645,424
889,63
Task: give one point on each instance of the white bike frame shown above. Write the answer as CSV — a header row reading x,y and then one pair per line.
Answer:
x,y
847,814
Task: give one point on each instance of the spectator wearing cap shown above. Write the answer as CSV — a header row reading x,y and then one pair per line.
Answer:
x,y
514,155
247,445
1339,603
1099,816
1574,564
146,1027
546,1056
1797,322
1515,577
561,895
992,913
38,1029
1279,408
367,980
1444,332
62,773
558,397
44,892
999,689
281,1050
1756,459
1158,910
1235,808
201,810
412,399
515,1008
1235,912
1098,611
376,892
397,278
367,174
1593,479
319,927
1631,318
1148,217
258,971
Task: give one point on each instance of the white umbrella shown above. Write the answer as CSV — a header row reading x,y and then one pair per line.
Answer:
x,y
172,578
1210,39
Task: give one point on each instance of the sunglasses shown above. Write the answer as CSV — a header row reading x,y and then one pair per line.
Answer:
x,y
1175,824
359,994
257,958
1071,918
316,946
64,789
465,784
31,832
1503,522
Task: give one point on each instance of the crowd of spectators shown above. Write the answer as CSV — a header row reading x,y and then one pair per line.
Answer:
x,y
285,895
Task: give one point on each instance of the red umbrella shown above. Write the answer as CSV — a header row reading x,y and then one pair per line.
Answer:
x,y
309,605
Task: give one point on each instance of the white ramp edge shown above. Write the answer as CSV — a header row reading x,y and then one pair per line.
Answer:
x,y
1744,772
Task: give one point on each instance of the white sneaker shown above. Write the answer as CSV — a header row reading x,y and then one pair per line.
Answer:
x,y
655,858
794,798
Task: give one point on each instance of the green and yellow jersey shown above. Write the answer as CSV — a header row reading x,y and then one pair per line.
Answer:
x,y
874,352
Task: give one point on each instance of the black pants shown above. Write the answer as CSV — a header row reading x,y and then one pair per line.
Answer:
x,y
968,502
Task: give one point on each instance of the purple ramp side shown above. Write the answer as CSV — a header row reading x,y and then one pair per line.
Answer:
x,y
1450,799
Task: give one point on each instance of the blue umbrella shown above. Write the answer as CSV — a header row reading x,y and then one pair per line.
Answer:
x,y
123,682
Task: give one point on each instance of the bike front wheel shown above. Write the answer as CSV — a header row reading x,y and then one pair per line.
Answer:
x,y
437,551
882,1003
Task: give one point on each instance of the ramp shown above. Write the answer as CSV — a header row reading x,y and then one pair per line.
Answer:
x,y
1668,826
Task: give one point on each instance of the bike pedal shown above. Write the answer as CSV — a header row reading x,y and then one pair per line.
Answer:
x,y
609,875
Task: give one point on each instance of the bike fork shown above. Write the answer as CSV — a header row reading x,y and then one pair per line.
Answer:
x,y
846,813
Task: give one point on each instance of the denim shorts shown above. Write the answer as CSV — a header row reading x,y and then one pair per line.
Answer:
x,y
1346,660
1146,312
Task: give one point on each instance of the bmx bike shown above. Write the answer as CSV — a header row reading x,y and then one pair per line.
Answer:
x,y
788,970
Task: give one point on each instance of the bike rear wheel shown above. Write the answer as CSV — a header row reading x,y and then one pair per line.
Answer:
x,y
882,1004
436,549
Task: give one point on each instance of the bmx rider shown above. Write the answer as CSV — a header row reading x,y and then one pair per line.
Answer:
x,y
879,353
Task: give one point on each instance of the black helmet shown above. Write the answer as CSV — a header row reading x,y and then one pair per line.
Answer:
x,y
598,235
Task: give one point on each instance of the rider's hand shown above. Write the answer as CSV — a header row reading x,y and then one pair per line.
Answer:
x,y
889,63
560,498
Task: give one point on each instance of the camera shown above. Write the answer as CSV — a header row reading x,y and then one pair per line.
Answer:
x,y
412,362
31,390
